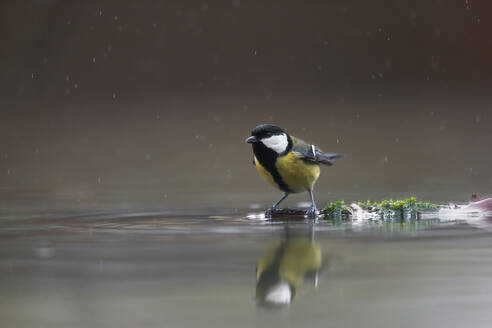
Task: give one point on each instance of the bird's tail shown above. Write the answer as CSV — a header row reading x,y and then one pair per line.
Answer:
x,y
327,159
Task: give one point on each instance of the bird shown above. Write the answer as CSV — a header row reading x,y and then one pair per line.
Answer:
x,y
286,264
288,163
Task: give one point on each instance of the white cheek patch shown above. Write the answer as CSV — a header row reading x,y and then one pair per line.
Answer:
x,y
279,294
277,143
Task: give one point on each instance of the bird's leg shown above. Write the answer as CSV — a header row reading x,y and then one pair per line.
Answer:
x,y
313,211
312,231
269,212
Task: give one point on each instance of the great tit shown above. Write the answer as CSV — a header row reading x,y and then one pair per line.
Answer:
x,y
283,268
287,162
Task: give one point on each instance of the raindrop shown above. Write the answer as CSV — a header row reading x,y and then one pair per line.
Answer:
x,y
32,76
385,159
477,118
115,18
67,77
100,13
8,171
98,179
93,59
114,95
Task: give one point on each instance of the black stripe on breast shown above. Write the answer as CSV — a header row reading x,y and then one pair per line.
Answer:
x,y
271,272
267,159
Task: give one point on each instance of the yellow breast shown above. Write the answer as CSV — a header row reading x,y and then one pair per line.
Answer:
x,y
299,257
264,173
296,173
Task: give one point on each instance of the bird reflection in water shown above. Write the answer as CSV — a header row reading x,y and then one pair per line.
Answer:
x,y
286,265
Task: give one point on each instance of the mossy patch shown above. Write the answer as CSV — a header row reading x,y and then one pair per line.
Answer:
x,y
401,208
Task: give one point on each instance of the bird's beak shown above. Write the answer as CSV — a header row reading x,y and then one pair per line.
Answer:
x,y
251,139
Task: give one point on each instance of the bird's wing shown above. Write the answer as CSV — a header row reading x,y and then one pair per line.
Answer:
x,y
311,153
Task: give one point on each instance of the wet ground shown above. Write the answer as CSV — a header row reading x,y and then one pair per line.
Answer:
x,y
227,268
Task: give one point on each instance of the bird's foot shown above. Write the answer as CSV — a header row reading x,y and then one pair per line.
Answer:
x,y
270,211
312,212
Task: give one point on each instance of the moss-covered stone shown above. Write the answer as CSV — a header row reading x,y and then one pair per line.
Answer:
x,y
408,207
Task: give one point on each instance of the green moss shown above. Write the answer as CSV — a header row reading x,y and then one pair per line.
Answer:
x,y
335,209
385,208
367,205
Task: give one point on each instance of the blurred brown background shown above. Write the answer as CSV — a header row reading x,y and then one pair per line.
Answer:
x,y
104,96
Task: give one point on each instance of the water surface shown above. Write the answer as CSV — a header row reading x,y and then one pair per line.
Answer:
x,y
151,268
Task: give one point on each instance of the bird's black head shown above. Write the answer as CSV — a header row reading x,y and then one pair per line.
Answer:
x,y
270,137
266,130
